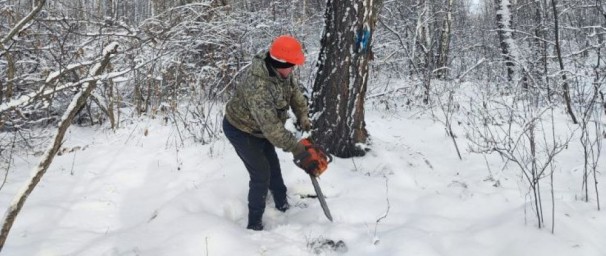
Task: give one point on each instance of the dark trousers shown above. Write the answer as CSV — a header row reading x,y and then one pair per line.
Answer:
x,y
259,157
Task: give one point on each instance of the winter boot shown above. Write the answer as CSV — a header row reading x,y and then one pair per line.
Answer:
x,y
281,203
258,226
284,207
255,221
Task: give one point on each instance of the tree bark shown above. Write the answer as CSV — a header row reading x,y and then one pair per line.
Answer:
x,y
504,23
10,76
444,50
77,102
425,29
340,86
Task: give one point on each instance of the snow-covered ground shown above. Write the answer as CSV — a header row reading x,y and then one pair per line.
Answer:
x,y
133,192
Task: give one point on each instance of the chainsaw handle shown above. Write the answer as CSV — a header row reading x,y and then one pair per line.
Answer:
x,y
309,144
314,160
328,156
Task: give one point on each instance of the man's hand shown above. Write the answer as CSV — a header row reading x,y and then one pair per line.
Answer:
x,y
305,124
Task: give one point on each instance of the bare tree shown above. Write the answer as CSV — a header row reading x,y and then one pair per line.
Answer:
x,y
565,86
445,38
592,130
68,117
10,60
426,44
522,131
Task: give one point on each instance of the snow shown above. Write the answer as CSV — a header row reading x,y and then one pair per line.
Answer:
x,y
134,192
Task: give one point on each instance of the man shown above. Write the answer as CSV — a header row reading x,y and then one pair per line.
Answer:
x,y
254,124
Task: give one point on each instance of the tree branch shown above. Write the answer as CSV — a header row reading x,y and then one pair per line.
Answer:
x,y
66,120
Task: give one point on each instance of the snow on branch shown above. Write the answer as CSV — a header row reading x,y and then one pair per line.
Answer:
x,y
77,102
23,22
54,76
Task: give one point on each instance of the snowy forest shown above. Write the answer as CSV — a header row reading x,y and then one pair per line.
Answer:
x,y
519,83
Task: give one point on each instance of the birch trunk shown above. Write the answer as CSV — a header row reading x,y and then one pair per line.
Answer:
x,y
443,55
504,31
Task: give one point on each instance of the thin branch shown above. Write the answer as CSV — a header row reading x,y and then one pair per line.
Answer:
x,y
77,102
22,22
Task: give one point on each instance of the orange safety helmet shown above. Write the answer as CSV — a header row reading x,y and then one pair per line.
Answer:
x,y
287,49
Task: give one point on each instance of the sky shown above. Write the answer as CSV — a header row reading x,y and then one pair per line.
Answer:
x,y
141,190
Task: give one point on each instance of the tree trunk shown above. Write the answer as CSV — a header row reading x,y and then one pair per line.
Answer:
x,y
565,87
425,29
445,41
340,86
504,23
10,75
110,9
46,160
542,46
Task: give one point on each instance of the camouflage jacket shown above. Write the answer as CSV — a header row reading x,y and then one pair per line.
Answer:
x,y
260,104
